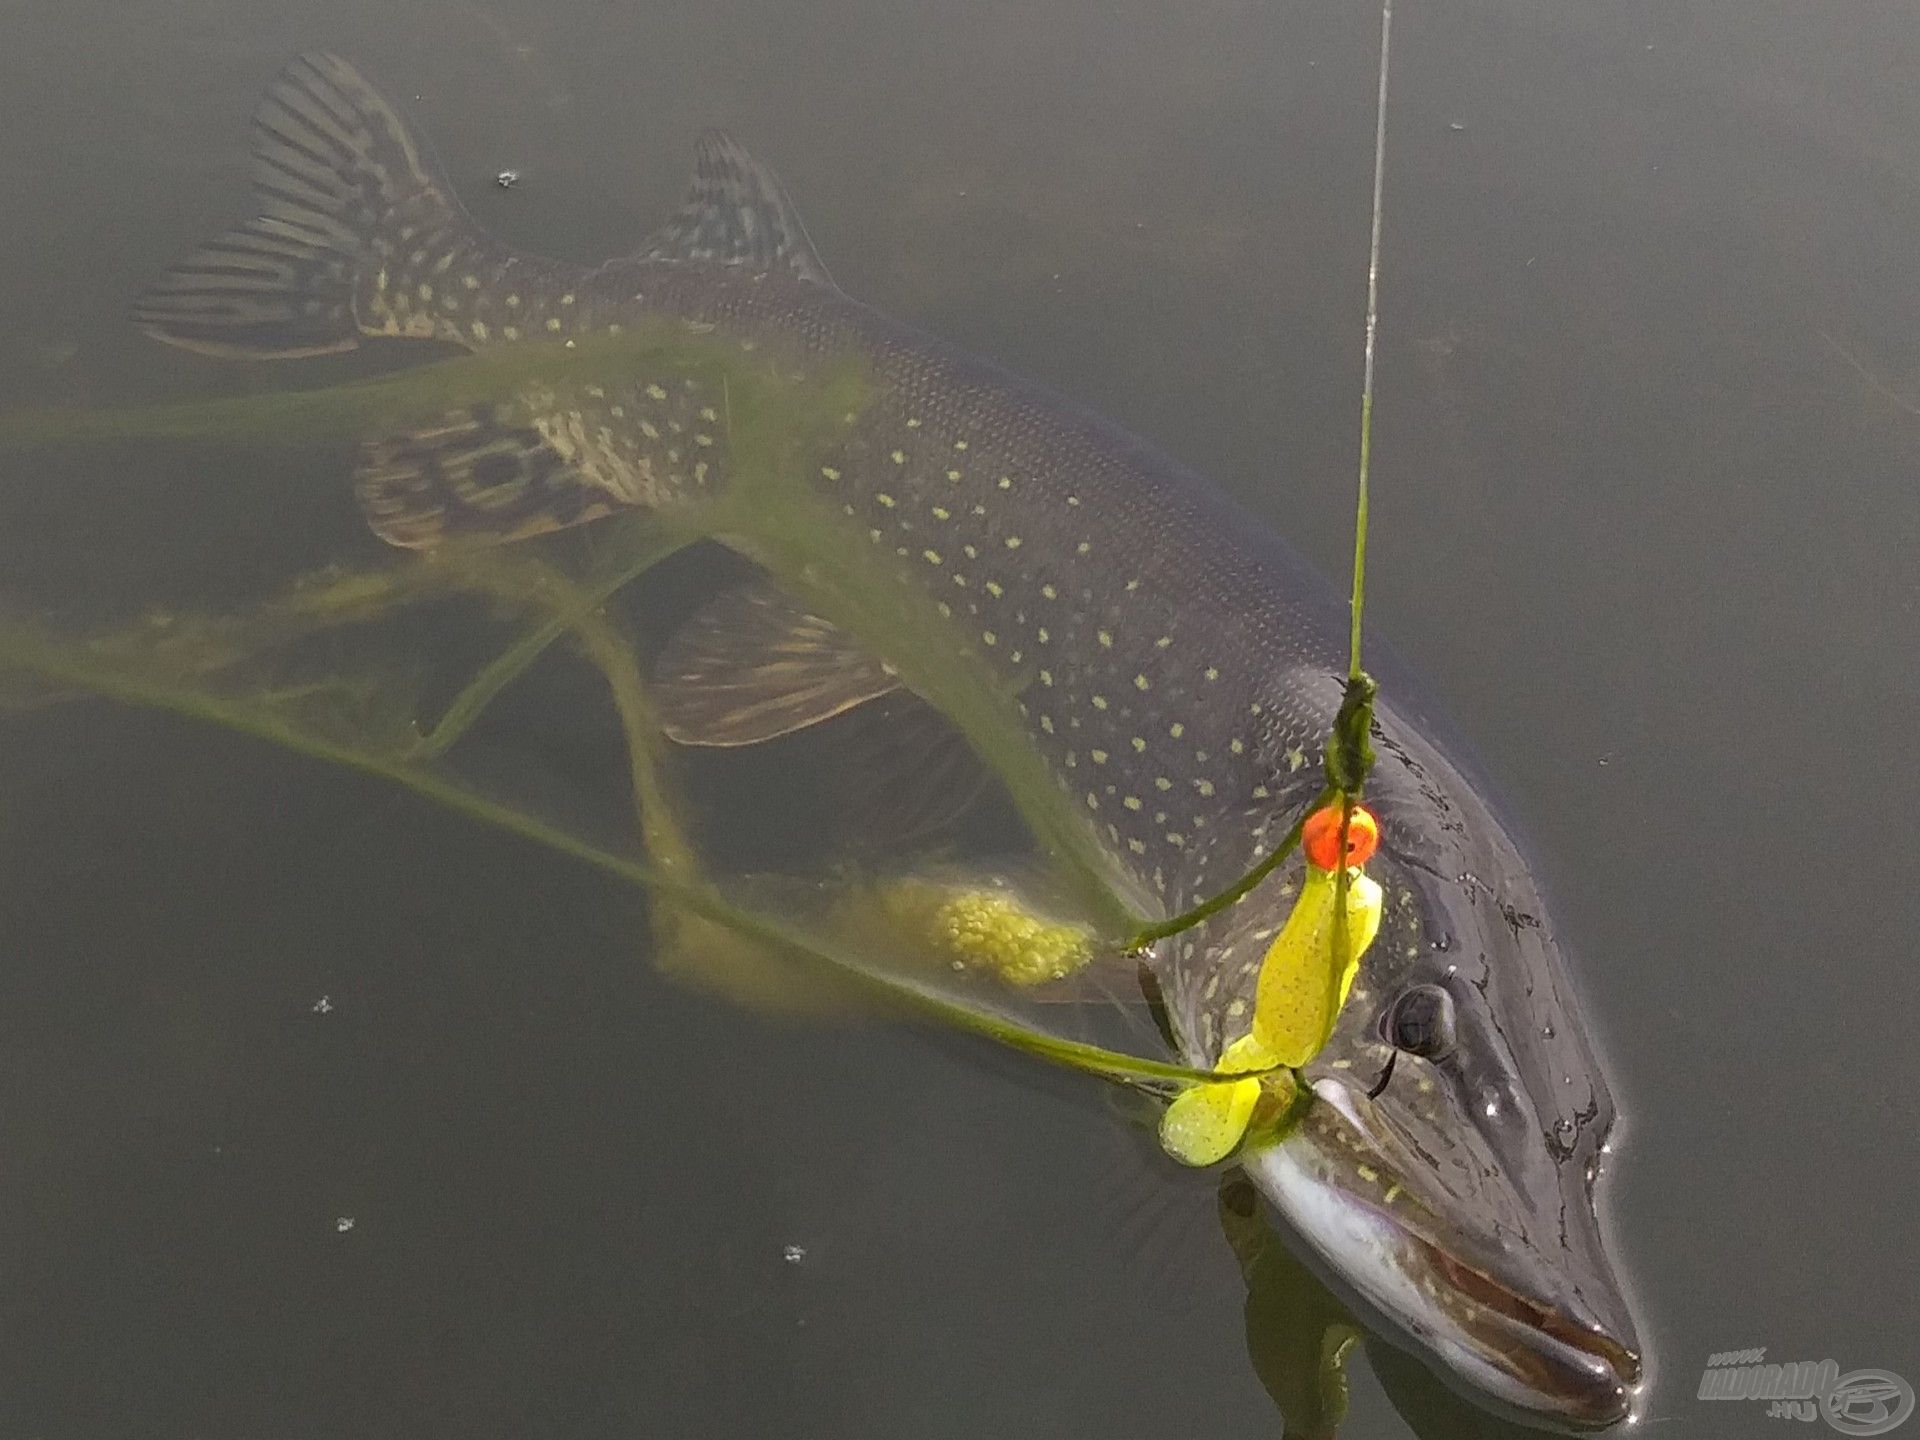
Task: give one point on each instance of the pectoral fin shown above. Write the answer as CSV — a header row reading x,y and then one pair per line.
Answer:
x,y
914,774
471,476
752,666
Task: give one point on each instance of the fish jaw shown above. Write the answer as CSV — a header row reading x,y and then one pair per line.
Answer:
x,y
1500,1320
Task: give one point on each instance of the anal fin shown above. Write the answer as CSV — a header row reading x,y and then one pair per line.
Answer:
x,y
751,666
470,476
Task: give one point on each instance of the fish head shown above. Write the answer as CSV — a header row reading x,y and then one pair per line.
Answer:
x,y
1444,1176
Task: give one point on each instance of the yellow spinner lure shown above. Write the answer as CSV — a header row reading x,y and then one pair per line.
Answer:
x,y
1303,982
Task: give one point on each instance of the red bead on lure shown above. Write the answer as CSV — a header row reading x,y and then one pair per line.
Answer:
x,y
1320,836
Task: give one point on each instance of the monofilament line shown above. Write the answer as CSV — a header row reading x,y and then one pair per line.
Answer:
x,y
1373,325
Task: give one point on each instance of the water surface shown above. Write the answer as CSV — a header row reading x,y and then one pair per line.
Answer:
x,y
325,1113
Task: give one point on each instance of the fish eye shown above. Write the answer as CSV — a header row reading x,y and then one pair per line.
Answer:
x,y
1420,1022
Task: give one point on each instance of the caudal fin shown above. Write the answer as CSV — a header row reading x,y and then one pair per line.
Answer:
x,y
346,197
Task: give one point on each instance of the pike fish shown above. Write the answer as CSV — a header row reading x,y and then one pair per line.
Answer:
x,y
1174,666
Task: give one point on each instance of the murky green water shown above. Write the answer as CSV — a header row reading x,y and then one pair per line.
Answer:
x,y
326,1113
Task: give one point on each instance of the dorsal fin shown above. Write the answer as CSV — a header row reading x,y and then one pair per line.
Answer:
x,y
751,665
736,213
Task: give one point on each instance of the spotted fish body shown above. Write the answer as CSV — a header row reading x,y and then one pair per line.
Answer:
x,y
1175,666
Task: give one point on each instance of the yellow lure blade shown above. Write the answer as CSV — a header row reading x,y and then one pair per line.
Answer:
x,y
1205,1123
1295,1004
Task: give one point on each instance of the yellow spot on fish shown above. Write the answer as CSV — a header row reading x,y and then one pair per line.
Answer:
x,y
426,292
553,322
899,457
1046,723
1236,746
913,422
511,332
650,430
1049,592
566,299
1163,642
1176,730
946,610
1099,756
1013,542
1099,702
1043,635
1105,639
933,556
1006,482
1132,802
1205,787
513,302
1140,682
1139,745
654,392
989,637
994,587
1073,499
1046,677
703,439
479,329
885,499
959,444
829,472
953,474
707,413
472,282
1093,801
1161,782
1082,548
942,514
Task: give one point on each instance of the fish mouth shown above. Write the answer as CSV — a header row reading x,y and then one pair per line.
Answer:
x,y
1574,1371
1499,1323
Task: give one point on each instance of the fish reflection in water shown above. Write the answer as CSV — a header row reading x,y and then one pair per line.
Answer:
x,y
1171,667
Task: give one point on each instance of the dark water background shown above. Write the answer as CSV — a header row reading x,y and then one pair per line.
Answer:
x,y
1647,512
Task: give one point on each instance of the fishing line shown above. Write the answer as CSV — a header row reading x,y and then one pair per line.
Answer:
x,y
1349,754
1354,671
